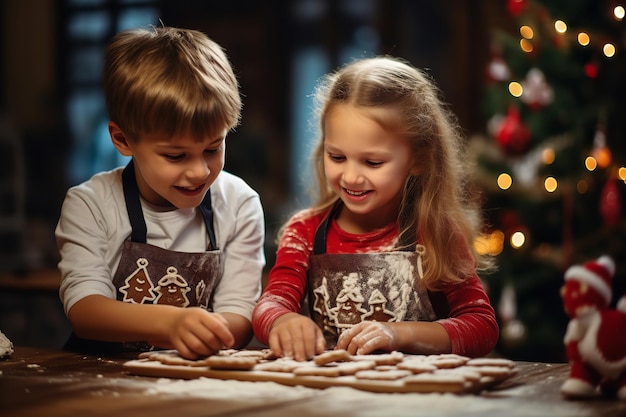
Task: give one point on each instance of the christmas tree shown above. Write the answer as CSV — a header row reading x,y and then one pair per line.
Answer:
x,y
551,162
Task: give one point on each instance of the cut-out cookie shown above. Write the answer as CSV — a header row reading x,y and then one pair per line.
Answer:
x,y
339,355
279,365
231,362
391,358
388,375
491,362
416,366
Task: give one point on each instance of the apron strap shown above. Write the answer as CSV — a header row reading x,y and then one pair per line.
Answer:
x,y
207,213
133,204
135,213
319,244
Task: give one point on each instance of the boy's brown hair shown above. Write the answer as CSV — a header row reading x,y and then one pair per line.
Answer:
x,y
170,80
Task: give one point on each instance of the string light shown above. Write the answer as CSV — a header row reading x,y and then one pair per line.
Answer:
x,y
526,32
550,184
560,26
599,157
518,239
515,89
504,181
590,163
526,45
583,38
608,49
547,156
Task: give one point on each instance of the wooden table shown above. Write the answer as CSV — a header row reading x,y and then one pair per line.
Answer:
x,y
36,382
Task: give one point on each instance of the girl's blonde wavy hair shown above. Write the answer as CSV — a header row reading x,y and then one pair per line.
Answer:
x,y
170,80
438,206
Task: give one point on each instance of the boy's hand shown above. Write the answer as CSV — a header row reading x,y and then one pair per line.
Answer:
x,y
196,332
296,336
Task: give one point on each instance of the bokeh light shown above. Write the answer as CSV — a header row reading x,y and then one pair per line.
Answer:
x,y
526,45
547,156
515,89
550,184
504,181
591,163
609,50
518,239
526,32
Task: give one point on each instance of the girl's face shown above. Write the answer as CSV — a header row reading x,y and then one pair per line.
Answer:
x,y
366,165
176,171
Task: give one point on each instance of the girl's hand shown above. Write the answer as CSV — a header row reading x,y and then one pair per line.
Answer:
x,y
368,336
296,336
195,332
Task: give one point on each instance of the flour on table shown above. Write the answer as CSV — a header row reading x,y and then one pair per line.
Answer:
x,y
345,400
229,389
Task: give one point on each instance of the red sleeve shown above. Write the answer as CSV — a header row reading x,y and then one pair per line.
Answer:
x,y
287,279
472,324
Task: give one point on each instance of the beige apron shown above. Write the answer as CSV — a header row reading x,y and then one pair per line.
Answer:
x,y
148,274
346,289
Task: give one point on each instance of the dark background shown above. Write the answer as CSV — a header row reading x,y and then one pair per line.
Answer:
x,y
41,154
450,39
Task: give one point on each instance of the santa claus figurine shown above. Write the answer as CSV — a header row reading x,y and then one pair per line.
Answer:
x,y
596,335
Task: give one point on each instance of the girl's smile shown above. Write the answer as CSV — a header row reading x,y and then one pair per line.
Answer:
x,y
356,195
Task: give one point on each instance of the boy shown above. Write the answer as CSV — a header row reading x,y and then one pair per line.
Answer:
x,y
168,251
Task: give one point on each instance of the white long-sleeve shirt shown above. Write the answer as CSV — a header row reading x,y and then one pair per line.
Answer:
x,y
94,224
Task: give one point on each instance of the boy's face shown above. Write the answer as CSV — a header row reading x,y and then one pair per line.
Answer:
x,y
176,171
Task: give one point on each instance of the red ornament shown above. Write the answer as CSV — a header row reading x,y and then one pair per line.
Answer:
x,y
509,220
512,135
595,339
610,203
515,7
591,70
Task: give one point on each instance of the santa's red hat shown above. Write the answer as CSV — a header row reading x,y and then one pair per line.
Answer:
x,y
597,274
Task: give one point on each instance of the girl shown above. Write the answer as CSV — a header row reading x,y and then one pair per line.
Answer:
x,y
385,256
